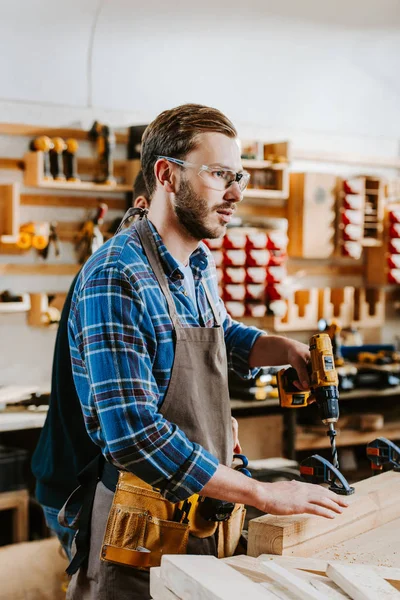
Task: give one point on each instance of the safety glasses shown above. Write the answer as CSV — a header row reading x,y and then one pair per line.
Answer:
x,y
216,178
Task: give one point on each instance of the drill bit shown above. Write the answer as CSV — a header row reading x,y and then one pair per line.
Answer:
x,y
332,435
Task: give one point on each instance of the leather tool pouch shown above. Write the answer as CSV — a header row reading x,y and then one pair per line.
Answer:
x,y
140,528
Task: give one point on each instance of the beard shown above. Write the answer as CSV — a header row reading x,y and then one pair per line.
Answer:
x,y
192,211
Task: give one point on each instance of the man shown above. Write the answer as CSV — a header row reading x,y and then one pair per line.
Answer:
x,y
151,344
64,447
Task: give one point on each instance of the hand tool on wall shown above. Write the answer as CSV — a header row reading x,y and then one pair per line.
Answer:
x,y
323,390
56,158
383,452
90,238
52,239
34,235
105,143
70,160
43,144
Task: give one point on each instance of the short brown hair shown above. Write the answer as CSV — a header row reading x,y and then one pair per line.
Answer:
x,y
173,133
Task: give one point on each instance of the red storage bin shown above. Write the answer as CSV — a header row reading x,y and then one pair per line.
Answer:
x,y
276,274
256,309
234,240
234,258
235,309
352,249
256,274
234,275
277,240
257,258
235,292
255,291
256,239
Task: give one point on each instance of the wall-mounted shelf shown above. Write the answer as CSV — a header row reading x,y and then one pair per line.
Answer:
x,y
9,213
269,170
45,309
33,177
64,132
59,269
263,164
16,307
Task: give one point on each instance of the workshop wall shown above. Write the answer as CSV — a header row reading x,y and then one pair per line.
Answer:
x,y
324,77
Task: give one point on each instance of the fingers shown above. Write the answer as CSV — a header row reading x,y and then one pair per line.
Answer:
x,y
320,511
328,503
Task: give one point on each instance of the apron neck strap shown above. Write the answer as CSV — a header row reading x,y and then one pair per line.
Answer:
x,y
217,318
150,248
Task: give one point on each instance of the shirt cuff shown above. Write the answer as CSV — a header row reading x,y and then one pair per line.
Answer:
x,y
192,476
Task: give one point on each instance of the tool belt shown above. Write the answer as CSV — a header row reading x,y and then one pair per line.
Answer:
x,y
142,525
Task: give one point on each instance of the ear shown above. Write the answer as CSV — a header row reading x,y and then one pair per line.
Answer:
x,y
141,202
165,175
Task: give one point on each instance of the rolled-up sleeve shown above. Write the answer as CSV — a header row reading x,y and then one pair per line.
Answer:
x,y
112,341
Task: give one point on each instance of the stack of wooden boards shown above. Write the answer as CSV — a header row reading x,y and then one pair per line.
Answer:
x,y
247,578
356,555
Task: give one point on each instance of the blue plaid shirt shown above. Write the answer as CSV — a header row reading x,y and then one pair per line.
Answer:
x,y
121,341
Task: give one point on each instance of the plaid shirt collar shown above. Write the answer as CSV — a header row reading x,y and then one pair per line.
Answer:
x,y
198,259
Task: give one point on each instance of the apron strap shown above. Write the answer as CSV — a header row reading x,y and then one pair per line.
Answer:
x,y
216,314
88,479
150,247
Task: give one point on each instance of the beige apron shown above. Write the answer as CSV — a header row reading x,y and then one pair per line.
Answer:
x,y
197,401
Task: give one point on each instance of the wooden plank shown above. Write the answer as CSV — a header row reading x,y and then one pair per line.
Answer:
x,y
319,565
296,585
158,591
74,201
250,567
361,583
12,163
64,132
42,269
380,546
206,578
345,158
346,437
374,503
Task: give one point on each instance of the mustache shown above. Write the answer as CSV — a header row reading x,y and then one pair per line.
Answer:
x,y
226,206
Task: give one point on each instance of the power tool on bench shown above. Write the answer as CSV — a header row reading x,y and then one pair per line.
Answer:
x,y
324,391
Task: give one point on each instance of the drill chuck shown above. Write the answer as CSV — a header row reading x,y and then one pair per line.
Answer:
x,y
327,398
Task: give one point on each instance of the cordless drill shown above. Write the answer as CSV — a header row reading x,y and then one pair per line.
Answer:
x,y
324,388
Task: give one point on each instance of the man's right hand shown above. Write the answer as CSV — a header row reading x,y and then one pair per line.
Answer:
x,y
296,497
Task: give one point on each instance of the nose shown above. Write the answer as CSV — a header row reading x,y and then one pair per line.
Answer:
x,y
233,193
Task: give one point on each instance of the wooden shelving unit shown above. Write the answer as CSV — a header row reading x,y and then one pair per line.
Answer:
x,y
269,175
9,213
16,307
33,177
345,437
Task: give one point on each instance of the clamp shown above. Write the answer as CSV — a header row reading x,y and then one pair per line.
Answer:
x,y
243,467
317,469
383,452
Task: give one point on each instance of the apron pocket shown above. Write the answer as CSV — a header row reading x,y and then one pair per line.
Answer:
x,y
165,537
137,539
125,527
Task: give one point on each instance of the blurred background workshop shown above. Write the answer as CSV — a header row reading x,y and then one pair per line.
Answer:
x,y
314,246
